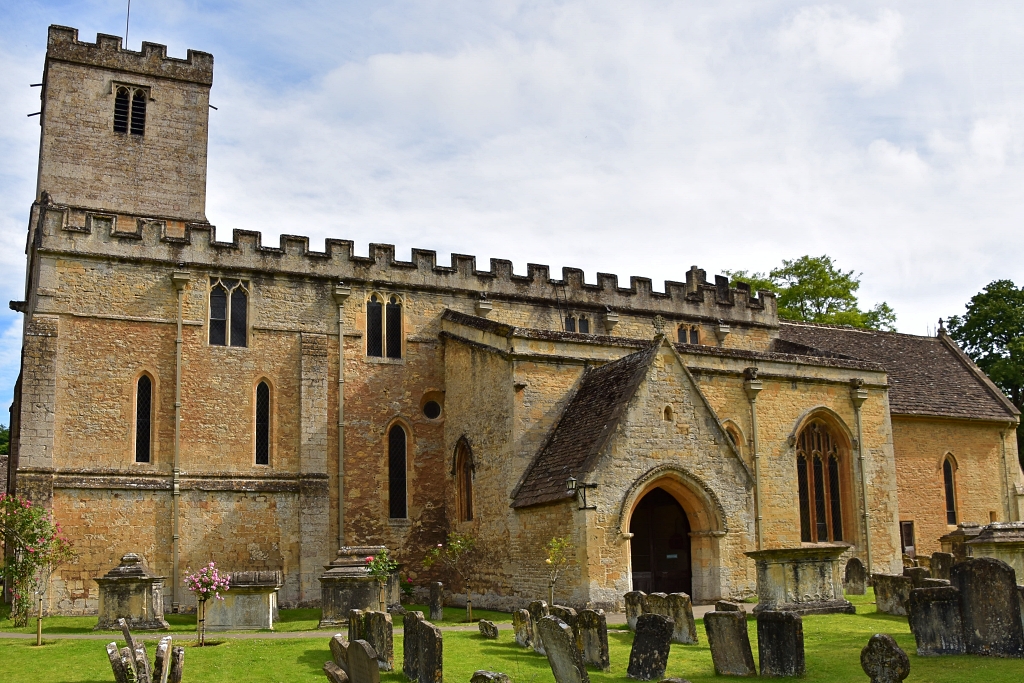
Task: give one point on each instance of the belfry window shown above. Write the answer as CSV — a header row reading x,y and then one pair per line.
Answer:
x,y
384,326
819,485
396,473
130,110
263,424
229,312
949,487
464,482
143,418
689,334
579,324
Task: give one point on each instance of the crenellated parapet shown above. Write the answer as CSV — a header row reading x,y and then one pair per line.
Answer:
x,y
71,230
106,52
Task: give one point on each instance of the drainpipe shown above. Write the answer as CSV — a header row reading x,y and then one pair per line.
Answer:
x,y
752,386
180,280
341,293
858,394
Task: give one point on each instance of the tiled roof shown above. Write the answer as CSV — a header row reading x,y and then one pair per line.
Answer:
x,y
927,375
584,428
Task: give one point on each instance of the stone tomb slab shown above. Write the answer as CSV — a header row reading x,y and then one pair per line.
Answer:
x,y
523,628
780,643
805,580
560,647
592,638
989,607
636,604
649,654
892,593
855,582
730,643
883,660
934,616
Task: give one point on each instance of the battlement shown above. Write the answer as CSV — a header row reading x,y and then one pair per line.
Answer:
x,y
195,245
106,52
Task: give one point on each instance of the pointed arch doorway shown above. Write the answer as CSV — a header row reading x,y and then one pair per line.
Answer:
x,y
660,551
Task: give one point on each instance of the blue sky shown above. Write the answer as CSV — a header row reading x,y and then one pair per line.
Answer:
x,y
635,138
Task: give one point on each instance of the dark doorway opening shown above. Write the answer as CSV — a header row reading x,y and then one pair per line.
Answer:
x,y
660,548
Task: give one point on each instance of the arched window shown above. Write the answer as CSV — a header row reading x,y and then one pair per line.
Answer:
x,y
396,473
570,323
122,107
949,484
464,482
384,326
584,324
263,424
130,110
143,418
689,334
819,483
229,302
667,414
393,328
138,113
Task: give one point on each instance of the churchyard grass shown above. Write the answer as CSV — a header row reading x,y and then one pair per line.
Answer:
x,y
832,645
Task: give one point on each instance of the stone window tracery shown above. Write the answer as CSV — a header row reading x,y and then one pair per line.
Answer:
x,y
949,488
229,312
689,334
396,473
263,424
130,110
384,326
819,484
143,418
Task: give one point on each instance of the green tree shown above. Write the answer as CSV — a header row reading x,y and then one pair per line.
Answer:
x,y
5,440
813,289
991,332
457,556
559,551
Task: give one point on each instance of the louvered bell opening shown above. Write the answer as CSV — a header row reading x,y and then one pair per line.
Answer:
x,y
121,110
139,113
143,405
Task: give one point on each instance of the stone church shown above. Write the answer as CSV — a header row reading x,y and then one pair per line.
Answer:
x,y
194,395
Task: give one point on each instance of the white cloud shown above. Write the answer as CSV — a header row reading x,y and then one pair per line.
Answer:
x,y
893,159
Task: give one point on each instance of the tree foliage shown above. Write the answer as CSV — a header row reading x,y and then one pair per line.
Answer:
x,y
813,289
456,556
559,552
5,440
991,332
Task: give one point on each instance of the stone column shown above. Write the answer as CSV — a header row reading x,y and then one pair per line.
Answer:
x,y
314,496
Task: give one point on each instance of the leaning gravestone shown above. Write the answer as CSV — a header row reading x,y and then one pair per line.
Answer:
x,y
592,638
934,616
411,644
378,631
680,610
891,593
941,564
128,663
523,628
563,655
120,675
730,643
177,664
362,663
437,601
538,609
339,651
780,643
636,604
162,662
489,677
883,660
856,578
334,673
488,629
727,606
142,671
649,654
355,625
989,607
430,657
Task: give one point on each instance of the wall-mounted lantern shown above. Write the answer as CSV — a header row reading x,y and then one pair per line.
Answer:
x,y
580,489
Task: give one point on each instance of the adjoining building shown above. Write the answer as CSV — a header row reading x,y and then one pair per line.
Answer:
x,y
191,399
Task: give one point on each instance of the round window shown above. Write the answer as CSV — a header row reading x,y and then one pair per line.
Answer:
x,y
432,409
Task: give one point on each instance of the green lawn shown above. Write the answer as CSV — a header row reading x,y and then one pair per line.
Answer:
x,y
832,643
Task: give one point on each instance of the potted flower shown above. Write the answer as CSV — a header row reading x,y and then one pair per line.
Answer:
x,y
380,567
205,584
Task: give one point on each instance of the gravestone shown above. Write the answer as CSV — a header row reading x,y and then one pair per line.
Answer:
x,y
657,603
437,601
355,625
411,644
917,575
933,583
649,655
177,664
883,660
143,674
377,629
162,662
339,651
127,633
934,616
592,638
989,607
430,657
636,604
488,629
538,609
563,655
727,606
489,677
1020,601
780,643
128,663
523,627
891,593
680,611
334,673
856,578
730,643
362,663
120,676
941,564
568,615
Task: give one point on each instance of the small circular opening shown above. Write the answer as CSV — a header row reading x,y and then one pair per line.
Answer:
x,y
432,409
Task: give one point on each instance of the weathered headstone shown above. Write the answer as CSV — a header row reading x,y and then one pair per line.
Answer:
x,y
680,610
1020,601
730,643
727,606
538,609
933,583
489,677
856,578
362,663
339,651
560,647
120,676
649,654
411,644
355,625
143,674
430,657
780,643
592,638
162,662
437,601
488,629
523,628
128,664
177,664
941,564
334,673
934,616
883,660
636,604
657,603
379,633
568,615
126,632
989,607
891,593
917,575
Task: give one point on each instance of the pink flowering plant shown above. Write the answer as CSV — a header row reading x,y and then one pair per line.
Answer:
x,y
380,567
207,583
36,546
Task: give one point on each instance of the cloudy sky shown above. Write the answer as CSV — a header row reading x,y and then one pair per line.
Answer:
x,y
635,138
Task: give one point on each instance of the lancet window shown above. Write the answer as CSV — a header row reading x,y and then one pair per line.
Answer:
x,y
229,312
949,487
130,110
263,424
384,326
396,473
143,419
819,483
464,482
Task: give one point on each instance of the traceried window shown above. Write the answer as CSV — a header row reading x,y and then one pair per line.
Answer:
x,y
263,424
384,326
689,334
396,473
229,310
143,419
579,324
130,110
464,482
819,483
949,486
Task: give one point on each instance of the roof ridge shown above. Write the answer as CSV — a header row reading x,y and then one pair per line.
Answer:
x,y
851,328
